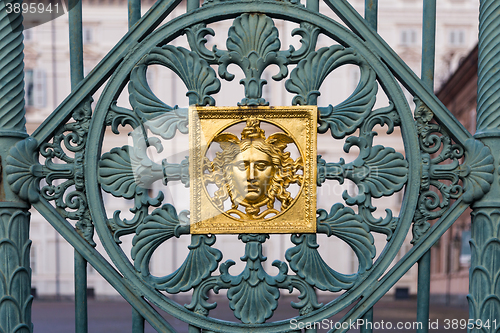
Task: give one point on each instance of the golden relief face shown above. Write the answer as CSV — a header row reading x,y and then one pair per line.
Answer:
x,y
252,169
253,172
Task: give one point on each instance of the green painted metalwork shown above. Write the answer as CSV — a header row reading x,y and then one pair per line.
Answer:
x,y
439,154
424,284
371,17
487,121
313,5
134,15
308,249
484,302
75,42
12,93
371,13
192,5
15,272
81,315
427,75
15,308
137,322
76,66
134,12
483,291
428,43
367,318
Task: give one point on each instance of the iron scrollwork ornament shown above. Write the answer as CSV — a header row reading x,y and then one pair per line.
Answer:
x,y
442,171
63,170
253,172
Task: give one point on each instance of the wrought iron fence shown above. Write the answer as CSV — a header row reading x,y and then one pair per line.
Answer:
x,y
443,171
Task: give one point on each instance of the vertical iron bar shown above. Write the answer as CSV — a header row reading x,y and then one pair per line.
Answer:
x,y
134,12
192,5
424,282
14,216
427,77
313,5
371,13
485,245
367,318
428,44
76,65
75,42
137,322
81,315
54,104
134,15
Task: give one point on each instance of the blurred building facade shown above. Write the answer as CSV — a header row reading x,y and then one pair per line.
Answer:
x,y
47,71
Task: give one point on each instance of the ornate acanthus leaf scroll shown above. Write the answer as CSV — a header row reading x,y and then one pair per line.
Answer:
x,y
157,228
253,294
309,36
62,170
377,171
307,78
441,170
152,113
197,75
306,261
253,45
201,261
346,225
117,177
128,172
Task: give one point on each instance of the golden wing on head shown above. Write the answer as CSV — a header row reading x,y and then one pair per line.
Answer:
x,y
279,140
225,139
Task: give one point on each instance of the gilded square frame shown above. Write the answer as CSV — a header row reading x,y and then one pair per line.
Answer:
x,y
298,121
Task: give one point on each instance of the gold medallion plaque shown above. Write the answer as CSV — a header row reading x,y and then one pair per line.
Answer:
x,y
252,169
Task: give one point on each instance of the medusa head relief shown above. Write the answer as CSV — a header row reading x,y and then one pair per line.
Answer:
x,y
252,179
253,172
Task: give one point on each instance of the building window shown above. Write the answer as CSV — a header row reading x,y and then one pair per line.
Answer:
x,y
28,35
87,35
409,37
456,37
35,88
33,260
465,252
